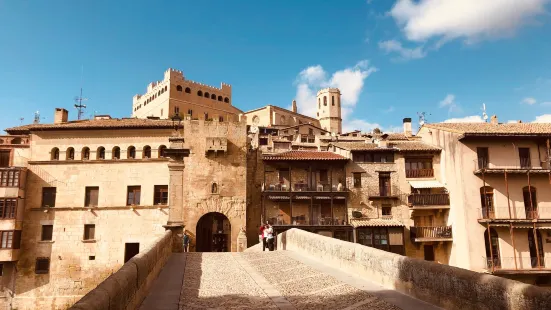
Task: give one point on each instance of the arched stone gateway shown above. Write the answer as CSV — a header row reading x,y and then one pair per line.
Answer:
x,y
213,233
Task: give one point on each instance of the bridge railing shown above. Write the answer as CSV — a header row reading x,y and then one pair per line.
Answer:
x,y
442,285
126,288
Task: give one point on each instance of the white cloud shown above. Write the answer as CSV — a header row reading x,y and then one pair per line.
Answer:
x,y
512,121
472,20
545,118
358,124
529,100
390,109
466,119
350,81
404,53
546,103
449,102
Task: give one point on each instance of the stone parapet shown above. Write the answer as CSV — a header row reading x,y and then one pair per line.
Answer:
x,y
126,288
441,285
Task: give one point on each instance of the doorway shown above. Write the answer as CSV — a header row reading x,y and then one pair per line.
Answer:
x,y
130,250
213,233
429,252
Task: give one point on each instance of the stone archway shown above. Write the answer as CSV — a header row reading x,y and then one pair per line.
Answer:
x,y
213,233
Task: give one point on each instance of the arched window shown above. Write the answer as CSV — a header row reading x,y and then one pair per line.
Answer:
x,y
131,152
179,88
227,100
70,153
85,153
54,154
116,153
332,100
146,153
214,188
487,202
162,150
220,98
100,153
16,141
166,88
207,95
282,120
199,93
1,141
535,245
188,90
213,97
530,202
324,101
492,249
159,93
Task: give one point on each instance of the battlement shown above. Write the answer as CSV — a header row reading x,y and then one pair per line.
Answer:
x,y
328,90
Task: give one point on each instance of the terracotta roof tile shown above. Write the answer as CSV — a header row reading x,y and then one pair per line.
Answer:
x,y
305,155
375,222
415,146
128,123
394,146
489,129
358,146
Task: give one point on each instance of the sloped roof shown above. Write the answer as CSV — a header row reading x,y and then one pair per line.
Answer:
x,y
403,146
489,129
415,146
305,155
115,123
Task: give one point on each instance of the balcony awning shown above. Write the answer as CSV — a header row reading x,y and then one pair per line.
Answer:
x,y
376,223
426,184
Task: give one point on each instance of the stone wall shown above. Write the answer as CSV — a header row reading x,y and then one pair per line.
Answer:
x,y
442,285
126,288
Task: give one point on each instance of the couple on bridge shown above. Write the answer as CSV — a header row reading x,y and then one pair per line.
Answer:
x,y
266,236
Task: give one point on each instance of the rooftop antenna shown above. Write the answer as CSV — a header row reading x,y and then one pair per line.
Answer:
x,y
422,118
484,115
80,99
36,117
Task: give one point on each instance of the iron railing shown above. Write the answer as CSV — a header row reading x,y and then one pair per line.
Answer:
x,y
429,199
420,173
431,232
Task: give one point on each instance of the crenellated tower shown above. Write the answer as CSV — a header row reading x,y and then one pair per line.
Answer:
x,y
329,109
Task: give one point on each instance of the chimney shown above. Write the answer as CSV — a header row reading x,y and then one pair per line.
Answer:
x,y
61,116
294,108
493,120
407,126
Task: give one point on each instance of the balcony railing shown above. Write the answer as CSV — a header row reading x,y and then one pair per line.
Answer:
x,y
523,263
9,177
516,213
516,164
429,200
301,187
431,232
420,173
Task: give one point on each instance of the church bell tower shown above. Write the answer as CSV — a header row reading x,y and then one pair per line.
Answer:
x,y
329,109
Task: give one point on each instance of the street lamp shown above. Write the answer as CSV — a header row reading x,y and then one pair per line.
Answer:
x,y
176,121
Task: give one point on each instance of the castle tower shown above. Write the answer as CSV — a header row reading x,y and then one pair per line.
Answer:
x,y
329,109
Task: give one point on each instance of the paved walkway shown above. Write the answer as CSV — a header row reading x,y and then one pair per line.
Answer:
x,y
265,280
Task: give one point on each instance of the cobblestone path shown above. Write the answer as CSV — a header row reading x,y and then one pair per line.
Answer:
x,y
231,281
265,280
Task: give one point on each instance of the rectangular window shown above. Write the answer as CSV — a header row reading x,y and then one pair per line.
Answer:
x,y
357,179
47,232
303,138
384,184
311,139
386,210
48,197
10,239
206,116
482,155
524,155
362,157
9,178
89,232
419,168
383,157
133,195
42,265
160,196
1,270
323,176
176,110
8,207
4,158
263,141
190,112
91,197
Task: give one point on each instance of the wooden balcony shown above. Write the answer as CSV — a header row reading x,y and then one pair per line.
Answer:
x,y
415,200
431,233
420,173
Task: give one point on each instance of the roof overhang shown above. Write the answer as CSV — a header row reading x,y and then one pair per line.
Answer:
x,y
425,184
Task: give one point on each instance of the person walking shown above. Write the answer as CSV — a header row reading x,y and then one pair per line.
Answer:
x,y
261,237
269,236
186,242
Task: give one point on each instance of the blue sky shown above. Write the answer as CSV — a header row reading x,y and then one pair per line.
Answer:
x,y
391,59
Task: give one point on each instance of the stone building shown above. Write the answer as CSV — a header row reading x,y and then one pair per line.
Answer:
x,y
176,95
498,176
97,191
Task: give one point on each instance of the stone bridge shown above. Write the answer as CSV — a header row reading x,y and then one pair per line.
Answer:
x,y
308,271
